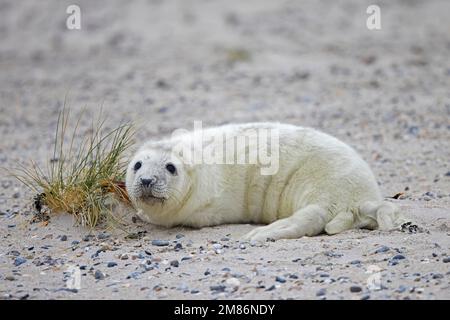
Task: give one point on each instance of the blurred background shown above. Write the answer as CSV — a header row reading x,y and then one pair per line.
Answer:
x,y
164,64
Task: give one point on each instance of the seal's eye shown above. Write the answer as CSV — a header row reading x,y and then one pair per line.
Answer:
x,y
137,166
171,168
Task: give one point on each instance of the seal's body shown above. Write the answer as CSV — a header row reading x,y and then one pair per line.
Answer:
x,y
321,185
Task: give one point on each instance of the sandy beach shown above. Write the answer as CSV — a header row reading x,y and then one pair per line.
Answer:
x,y
164,65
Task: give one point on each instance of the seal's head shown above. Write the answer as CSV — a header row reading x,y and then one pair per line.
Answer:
x,y
158,184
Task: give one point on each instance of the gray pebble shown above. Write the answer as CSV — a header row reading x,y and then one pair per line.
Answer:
x,y
111,264
280,279
355,289
63,238
321,292
174,263
160,243
99,275
382,249
446,260
398,257
19,260
218,288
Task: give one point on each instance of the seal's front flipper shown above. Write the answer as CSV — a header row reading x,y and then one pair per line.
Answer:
x,y
308,221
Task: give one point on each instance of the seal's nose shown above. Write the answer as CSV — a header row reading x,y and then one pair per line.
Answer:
x,y
148,182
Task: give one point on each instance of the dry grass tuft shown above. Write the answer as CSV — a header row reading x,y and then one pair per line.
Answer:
x,y
85,181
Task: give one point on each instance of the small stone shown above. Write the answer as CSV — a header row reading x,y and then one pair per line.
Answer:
x,y
438,276
217,246
75,242
160,243
280,279
242,246
134,275
272,287
218,288
401,289
398,257
179,236
174,263
233,282
382,249
10,278
123,256
19,260
178,246
111,264
446,260
355,262
63,238
321,292
103,236
355,289
365,297
99,275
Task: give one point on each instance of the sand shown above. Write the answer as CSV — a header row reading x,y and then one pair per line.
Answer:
x,y
164,64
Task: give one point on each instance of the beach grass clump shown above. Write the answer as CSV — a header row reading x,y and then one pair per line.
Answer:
x,y
84,180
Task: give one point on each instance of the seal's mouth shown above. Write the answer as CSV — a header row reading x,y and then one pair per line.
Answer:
x,y
149,197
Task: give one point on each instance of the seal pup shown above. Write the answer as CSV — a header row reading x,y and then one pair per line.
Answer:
x,y
319,184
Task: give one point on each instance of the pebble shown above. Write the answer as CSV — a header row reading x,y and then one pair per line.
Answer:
x,y
63,238
174,263
217,246
398,257
160,243
438,276
218,288
321,292
111,264
355,262
10,278
280,279
382,249
99,275
355,289
179,236
446,260
178,246
233,282
272,287
123,256
19,260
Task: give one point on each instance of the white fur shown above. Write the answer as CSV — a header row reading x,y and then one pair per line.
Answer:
x,y
322,185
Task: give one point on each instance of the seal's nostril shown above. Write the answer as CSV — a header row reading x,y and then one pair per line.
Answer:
x,y
147,182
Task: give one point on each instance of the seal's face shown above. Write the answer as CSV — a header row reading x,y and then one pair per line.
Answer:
x,y
157,182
